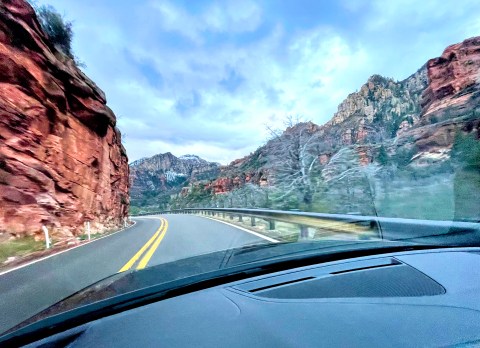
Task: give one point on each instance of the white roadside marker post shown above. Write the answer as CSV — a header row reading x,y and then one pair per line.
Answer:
x,y
47,239
88,230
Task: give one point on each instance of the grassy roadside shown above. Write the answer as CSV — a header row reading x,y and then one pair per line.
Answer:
x,y
93,236
26,249
19,247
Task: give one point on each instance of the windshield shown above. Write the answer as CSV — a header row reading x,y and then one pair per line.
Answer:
x,y
154,141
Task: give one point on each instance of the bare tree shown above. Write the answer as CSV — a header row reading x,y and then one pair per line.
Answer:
x,y
289,121
247,196
376,133
294,162
345,173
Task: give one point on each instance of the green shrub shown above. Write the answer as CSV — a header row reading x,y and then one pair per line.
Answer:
x,y
382,156
58,30
403,157
466,150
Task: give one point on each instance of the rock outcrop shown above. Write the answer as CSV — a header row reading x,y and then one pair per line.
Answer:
x,y
61,158
450,103
378,111
454,79
250,169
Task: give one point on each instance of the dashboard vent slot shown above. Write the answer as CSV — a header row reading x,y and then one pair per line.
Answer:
x,y
392,263
280,284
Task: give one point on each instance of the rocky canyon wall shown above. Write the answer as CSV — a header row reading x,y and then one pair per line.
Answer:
x,y
62,162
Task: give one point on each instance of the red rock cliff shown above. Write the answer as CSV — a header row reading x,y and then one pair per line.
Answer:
x,y
61,158
453,77
450,103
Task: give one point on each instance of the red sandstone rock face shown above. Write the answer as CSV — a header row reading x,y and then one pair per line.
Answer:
x,y
226,184
222,185
61,158
453,76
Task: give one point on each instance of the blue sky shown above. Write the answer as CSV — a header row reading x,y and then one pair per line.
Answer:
x,y
205,77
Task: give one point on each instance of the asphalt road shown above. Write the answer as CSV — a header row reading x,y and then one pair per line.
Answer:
x,y
152,240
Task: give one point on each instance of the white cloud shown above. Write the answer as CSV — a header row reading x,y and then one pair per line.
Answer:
x,y
236,16
219,17
308,80
324,70
173,18
413,13
220,154
216,90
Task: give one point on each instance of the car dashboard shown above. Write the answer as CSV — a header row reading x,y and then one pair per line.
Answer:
x,y
415,298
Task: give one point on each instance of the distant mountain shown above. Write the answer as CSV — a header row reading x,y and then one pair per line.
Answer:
x,y
165,174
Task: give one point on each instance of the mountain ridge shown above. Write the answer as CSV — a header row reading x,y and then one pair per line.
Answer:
x,y
413,121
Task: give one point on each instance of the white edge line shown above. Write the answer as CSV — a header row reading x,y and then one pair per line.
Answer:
x,y
243,229
64,251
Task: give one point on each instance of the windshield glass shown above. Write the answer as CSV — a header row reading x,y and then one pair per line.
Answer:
x,y
184,138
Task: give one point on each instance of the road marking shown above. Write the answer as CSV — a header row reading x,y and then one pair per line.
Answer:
x,y
135,257
64,251
149,254
243,229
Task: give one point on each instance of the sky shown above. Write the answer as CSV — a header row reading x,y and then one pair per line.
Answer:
x,y
208,77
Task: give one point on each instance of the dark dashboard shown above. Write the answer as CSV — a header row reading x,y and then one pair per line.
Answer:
x,y
416,298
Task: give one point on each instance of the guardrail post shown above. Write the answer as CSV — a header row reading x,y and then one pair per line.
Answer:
x,y
240,218
252,221
303,232
47,238
271,224
223,215
88,229
231,216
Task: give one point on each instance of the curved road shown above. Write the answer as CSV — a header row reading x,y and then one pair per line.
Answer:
x,y
152,240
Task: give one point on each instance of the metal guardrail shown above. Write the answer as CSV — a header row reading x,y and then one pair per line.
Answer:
x,y
382,227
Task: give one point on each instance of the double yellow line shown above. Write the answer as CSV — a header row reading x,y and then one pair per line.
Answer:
x,y
154,242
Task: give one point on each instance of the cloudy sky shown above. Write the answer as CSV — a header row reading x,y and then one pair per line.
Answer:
x,y
205,77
